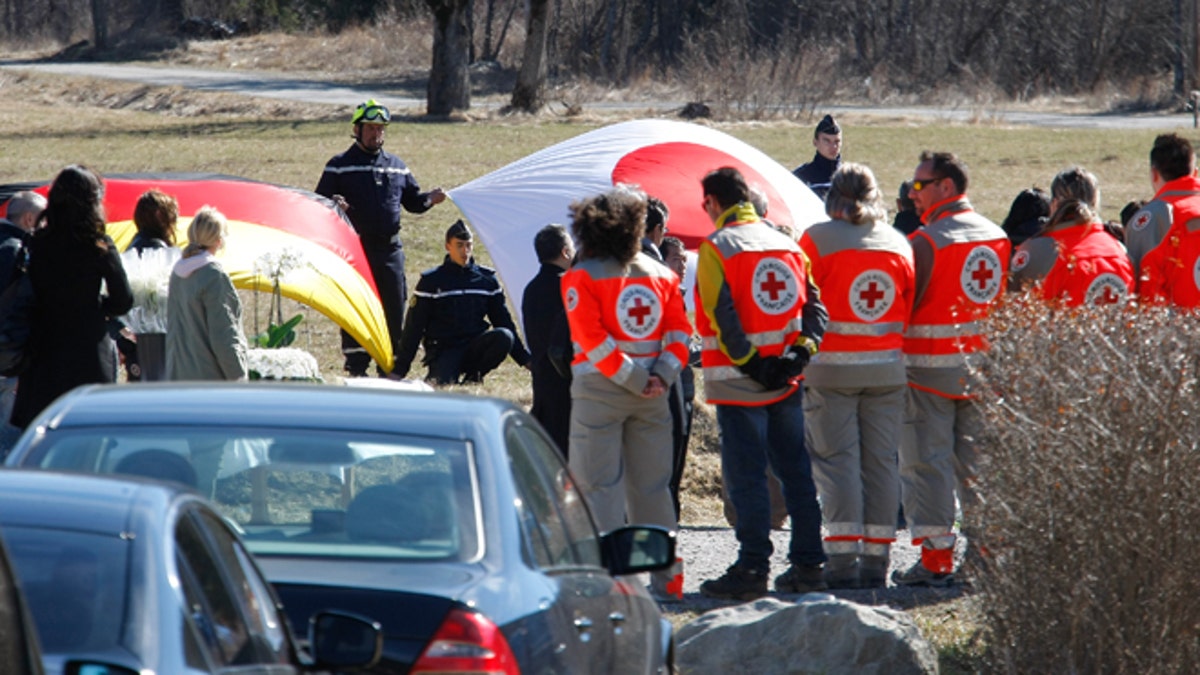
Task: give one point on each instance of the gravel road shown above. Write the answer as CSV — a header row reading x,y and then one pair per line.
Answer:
x,y
287,87
707,551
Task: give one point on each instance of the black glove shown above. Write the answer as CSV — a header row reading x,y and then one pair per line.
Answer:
x,y
770,371
795,359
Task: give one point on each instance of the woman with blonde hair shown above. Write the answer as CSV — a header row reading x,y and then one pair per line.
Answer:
x,y
855,386
204,334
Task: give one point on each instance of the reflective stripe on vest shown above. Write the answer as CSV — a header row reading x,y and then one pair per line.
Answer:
x,y
859,358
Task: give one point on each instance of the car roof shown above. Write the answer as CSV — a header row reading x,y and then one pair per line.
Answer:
x,y
52,500
294,405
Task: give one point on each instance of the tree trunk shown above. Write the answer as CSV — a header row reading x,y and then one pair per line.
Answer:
x,y
530,93
171,13
450,76
100,24
489,16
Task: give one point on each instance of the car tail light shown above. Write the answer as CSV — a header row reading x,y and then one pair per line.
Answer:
x,y
467,642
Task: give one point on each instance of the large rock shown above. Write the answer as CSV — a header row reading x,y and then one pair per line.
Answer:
x,y
818,634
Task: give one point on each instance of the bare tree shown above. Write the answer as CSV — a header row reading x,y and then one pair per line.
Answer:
x,y
492,43
100,23
449,76
529,94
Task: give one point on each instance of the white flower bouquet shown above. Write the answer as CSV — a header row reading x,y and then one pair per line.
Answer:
x,y
283,363
149,277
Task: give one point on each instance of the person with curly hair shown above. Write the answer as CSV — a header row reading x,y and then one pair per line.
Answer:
x,y
630,329
78,282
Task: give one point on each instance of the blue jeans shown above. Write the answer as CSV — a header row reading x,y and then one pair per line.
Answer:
x,y
751,436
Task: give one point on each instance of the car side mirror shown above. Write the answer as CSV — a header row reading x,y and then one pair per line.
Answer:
x,y
637,548
341,640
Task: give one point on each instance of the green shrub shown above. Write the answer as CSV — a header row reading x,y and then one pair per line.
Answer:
x,y
1089,477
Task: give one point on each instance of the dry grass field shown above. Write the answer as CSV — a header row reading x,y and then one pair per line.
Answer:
x,y
48,122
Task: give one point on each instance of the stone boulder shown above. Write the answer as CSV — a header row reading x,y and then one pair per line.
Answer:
x,y
817,634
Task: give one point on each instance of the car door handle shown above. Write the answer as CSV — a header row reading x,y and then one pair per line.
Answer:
x,y
617,618
583,624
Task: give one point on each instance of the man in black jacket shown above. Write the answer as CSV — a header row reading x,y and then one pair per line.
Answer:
x,y
459,312
21,217
371,185
549,336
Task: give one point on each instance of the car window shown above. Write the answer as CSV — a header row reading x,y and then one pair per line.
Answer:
x,y
212,608
75,584
301,492
248,591
554,515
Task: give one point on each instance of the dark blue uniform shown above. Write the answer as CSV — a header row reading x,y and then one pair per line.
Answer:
x,y
376,186
461,317
818,174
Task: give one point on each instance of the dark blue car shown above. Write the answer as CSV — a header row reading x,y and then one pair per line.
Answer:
x,y
449,519
134,576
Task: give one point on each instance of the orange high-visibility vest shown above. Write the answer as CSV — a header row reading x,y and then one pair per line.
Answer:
x,y
624,316
1177,202
970,266
765,276
868,294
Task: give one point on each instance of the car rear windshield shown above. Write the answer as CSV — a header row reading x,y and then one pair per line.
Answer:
x,y
75,585
301,492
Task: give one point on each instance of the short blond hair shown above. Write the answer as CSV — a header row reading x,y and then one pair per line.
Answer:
x,y
206,231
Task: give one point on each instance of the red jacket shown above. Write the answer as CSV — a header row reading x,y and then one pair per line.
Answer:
x,y
1077,263
1171,272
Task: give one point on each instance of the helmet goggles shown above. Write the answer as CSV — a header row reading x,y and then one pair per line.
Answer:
x,y
371,113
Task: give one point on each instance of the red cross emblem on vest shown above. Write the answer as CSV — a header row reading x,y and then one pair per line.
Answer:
x,y
773,286
871,295
982,274
638,312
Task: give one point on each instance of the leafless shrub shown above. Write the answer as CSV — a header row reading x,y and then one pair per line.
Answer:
x,y
1089,475
748,83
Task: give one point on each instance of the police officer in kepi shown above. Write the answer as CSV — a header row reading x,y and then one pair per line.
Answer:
x,y
460,314
817,174
371,185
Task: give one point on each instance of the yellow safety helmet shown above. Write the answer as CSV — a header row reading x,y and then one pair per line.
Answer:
x,y
371,112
